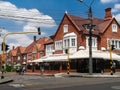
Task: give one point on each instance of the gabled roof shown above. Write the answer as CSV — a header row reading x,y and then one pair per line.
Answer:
x,y
14,51
39,45
22,49
103,26
78,22
100,23
49,41
30,47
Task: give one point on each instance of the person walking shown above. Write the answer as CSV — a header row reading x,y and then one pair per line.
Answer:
x,y
113,67
23,70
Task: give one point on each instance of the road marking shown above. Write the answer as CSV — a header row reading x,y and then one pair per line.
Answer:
x,y
17,85
116,87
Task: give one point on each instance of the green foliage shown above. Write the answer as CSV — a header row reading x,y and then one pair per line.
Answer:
x,y
9,68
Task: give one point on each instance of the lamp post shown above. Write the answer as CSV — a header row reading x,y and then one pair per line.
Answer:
x,y
90,35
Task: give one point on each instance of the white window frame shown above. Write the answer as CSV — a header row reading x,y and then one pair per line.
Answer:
x,y
49,49
65,28
24,57
114,28
66,42
18,58
58,45
94,42
73,42
115,42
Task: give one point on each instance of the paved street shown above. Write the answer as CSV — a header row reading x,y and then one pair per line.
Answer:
x,y
30,82
37,82
103,86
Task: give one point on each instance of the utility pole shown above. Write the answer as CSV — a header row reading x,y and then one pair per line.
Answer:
x,y
112,47
67,51
68,67
90,35
3,47
90,42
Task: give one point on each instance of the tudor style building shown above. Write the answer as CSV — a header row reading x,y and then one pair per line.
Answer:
x,y
71,34
16,55
22,55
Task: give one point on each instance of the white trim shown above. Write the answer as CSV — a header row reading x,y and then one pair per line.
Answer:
x,y
94,42
70,35
114,28
65,28
58,45
115,42
49,49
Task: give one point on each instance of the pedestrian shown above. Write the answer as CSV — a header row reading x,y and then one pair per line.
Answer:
x,y
113,67
23,70
19,70
42,70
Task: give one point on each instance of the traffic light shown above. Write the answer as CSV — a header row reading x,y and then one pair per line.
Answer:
x,y
39,32
66,51
6,47
112,47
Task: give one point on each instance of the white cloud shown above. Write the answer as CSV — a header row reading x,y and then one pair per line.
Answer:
x,y
32,17
116,11
116,8
16,39
23,40
30,27
3,31
10,11
118,17
108,1
19,40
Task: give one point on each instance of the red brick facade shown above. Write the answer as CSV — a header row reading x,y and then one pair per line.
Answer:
x,y
102,30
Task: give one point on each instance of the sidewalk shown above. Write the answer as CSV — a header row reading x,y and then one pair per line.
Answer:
x,y
38,73
71,74
6,78
87,75
75,74
7,75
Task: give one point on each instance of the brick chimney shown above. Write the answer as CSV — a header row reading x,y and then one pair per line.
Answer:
x,y
35,39
108,14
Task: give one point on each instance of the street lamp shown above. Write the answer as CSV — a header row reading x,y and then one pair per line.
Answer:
x,y
90,35
5,47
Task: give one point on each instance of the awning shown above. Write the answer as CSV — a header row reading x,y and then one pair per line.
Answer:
x,y
95,54
37,60
29,61
81,54
56,58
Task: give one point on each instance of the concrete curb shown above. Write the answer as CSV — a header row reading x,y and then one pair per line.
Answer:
x,y
87,75
95,76
5,80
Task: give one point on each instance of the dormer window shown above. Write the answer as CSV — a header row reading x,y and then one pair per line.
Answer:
x,y
114,28
65,28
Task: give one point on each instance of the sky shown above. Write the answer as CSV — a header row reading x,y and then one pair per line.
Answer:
x,y
28,15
